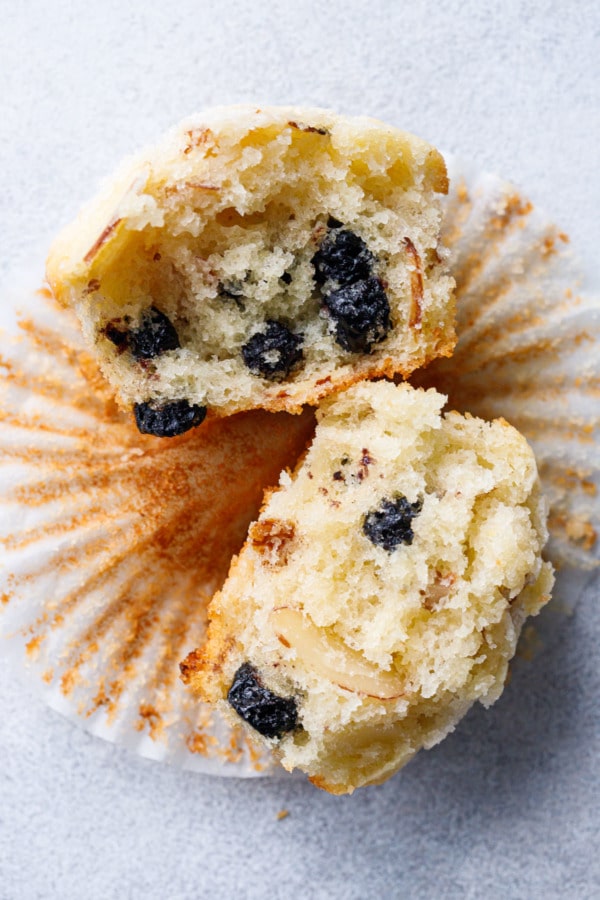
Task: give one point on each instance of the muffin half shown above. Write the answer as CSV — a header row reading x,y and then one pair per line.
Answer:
x,y
382,590
260,258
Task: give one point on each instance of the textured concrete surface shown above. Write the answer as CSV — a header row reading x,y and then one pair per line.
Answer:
x,y
508,806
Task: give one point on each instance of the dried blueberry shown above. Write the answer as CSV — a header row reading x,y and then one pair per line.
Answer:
x,y
361,313
272,353
391,524
343,258
271,715
168,419
117,335
154,335
286,278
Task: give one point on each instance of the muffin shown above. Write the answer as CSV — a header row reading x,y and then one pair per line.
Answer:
x,y
382,589
260,258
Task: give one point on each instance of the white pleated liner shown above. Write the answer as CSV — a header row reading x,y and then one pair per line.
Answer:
x,y
113,542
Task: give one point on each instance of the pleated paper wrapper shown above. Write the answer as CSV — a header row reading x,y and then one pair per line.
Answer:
x,y
113,542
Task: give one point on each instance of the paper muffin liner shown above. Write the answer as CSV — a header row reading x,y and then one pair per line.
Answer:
x,y
113,542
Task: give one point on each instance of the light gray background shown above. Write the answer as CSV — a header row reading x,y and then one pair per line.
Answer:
x,y
508,806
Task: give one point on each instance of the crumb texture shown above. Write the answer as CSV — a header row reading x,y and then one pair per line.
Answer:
x,y
385,583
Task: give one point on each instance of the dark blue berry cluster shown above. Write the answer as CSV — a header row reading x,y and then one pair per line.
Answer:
x,y
353,297
270,715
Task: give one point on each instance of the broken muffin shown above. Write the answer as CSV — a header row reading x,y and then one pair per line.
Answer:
x,y
260,258
383,588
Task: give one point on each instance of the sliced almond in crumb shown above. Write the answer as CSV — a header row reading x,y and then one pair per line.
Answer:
x,y
331,659
438,591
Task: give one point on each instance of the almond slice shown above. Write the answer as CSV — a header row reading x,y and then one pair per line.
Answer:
x,y
331,659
